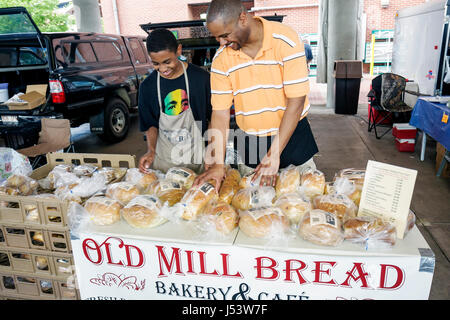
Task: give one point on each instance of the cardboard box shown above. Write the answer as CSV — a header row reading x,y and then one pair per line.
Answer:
x,y
440,152
405,145
404,131
35,96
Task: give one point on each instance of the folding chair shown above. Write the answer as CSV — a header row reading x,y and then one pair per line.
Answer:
x,y
54,136
387,102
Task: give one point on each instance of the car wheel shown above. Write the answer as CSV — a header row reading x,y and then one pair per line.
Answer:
x,y
117,121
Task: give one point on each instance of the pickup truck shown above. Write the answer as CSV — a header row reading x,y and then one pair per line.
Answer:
x,y
91,77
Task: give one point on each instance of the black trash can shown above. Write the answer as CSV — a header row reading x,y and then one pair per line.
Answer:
x,y
348,74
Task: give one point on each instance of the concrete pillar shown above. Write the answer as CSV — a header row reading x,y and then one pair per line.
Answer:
x,y
87,16
342,38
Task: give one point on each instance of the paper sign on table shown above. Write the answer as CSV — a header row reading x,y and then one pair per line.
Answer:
x,y
387,193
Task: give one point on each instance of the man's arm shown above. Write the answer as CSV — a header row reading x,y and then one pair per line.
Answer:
x,y
268,167
147,159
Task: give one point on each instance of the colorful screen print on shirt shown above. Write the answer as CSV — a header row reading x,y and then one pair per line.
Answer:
x,y
176,102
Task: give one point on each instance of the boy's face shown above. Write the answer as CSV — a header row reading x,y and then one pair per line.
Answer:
x,y
166,62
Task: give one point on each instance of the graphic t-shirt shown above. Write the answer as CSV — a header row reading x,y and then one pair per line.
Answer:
x,y
174,98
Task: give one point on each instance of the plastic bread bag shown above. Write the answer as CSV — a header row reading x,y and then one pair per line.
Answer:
x,y
103,211
143,212
355,175
312,182
141,180
167,191
321,227
84,170
78,218
122,191
339,204
410,222
230,185
23,184
267,222
12,162
111,174
288,180
371,232
253,197
246,181
218,216
346,187
183,175
65,193
294,205
196,198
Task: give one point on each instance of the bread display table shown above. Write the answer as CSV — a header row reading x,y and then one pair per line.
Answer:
x,y
175,261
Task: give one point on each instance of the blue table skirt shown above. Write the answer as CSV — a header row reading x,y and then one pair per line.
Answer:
x,y
429,117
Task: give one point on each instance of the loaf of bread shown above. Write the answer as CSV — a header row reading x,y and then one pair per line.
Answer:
x,y
294,205
288,180
370,231
65,193
23,184
112,174
246,181
339,204
321,227
141,180
355,175
122,191
196,198
312,182
167,191
183,175
262,221
346,187
84,170
224,216
253,197
103,211
143,212
230,185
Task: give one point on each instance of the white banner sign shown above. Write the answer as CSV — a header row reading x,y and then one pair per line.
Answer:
x,y
125,268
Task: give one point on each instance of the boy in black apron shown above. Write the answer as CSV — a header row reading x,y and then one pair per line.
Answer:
x,y
174,107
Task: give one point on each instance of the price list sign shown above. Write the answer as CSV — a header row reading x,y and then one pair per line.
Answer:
x,y
387,193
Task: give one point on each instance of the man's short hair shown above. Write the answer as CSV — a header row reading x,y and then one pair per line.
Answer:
x,y
226,10
161,39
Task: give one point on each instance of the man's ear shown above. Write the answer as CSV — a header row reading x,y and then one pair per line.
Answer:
x,y
243,21
179,50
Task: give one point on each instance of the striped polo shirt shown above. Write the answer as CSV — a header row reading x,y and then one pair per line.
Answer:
x,y
259,87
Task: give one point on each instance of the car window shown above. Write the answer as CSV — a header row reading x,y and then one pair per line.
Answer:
x,y
107,51
79,52
138,51
22,56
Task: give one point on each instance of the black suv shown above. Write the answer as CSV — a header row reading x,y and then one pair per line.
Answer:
x,y
91,77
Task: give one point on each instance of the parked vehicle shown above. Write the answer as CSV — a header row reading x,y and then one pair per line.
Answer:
x,y
91,77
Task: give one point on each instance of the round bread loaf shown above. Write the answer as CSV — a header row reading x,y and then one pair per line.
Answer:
x,y
339,204
64,193
167,191
183,175
196,198
16,180
294,206
225,217
141,180
230,185
253,197
352,190
287,181
321,227
371,231
246,181
143,212
355,175
103,210
122,191
312,183
262,222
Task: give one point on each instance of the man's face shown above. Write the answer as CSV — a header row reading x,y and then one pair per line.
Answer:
x,y
166,62
233,34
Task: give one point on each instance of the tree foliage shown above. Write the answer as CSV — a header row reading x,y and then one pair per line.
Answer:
x,y
43,13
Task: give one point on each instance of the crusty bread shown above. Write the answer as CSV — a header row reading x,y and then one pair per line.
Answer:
x,y
230,185
196,198
294,206
339,204
287,181
141,180
103,211
122,191
370,229
225,217
183,175
253,197
143,212
321,227
167,191
263,221
312,182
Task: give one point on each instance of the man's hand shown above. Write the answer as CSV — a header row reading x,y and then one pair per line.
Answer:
x,y
268,169
216,172
146,161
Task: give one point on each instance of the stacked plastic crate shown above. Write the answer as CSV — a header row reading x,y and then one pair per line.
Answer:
x,y
36,260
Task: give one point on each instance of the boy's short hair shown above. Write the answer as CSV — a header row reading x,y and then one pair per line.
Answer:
x,y
161,39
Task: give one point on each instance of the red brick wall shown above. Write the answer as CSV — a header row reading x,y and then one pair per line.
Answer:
x,y
303,19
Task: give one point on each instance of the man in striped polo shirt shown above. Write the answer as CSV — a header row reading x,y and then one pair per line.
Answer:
x,y
261,68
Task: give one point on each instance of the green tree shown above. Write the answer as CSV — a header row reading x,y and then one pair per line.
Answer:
x,y
43,13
